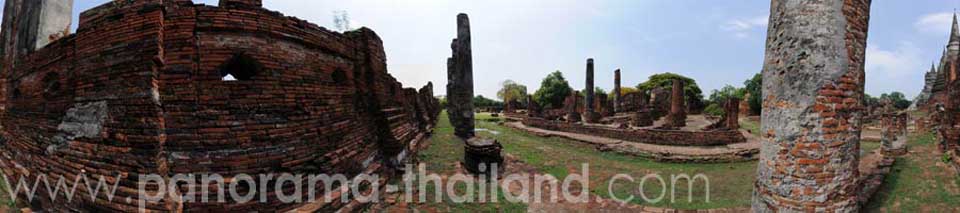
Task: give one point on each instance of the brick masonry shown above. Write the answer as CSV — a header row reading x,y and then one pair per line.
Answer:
x,y
813,87
649,136
139,90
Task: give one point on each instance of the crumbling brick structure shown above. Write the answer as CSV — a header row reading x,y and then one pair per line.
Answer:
x,y
893,132
143,88
678,110
731,118
813,80
571,105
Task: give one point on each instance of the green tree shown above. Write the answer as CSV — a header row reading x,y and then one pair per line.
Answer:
x,y
754,86
898,99
665,81
553,90
511,90
719,96
480,101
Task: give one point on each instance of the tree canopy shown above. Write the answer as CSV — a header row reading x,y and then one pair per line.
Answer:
x,y
899,100
511,91
754,87
553,90
665,80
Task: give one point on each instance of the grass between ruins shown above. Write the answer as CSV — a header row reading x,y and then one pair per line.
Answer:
x,y
919,182
731,184
5,202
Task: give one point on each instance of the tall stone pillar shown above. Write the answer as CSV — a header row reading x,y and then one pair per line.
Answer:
x,y
460,81
813,79
479,154
570,105
617,100
678,114
32,24
589,109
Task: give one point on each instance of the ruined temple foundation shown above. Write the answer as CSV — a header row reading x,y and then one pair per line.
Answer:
x,y
642,118
894,134
479,152
813,91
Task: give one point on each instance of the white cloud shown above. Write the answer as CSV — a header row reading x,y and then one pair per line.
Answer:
x,y
742,28
935,23
899,69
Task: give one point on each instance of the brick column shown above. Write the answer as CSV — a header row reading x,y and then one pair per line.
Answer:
x,y
678,114
813,90
617,100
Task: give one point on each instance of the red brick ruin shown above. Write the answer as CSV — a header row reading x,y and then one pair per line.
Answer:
x,y
141,89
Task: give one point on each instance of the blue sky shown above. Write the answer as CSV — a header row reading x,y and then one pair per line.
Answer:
x,y
715,42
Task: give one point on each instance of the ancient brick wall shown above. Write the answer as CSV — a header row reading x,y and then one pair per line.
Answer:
x,y
148,75
649,136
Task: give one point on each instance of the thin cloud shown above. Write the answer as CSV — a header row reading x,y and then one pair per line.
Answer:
x,y
742,28
935,23
890,69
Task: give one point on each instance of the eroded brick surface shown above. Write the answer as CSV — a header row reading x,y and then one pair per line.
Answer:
x,y
139,90
813,86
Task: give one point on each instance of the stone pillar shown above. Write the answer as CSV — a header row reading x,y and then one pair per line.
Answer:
x,y
678,114
589,112
813,79
617,99
32,24
533,109
460,81
893,134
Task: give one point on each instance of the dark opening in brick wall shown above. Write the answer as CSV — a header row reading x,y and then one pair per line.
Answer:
x,y
240,67
339,77
51,85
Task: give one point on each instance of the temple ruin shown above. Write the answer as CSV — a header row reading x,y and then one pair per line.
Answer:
x,y
140,89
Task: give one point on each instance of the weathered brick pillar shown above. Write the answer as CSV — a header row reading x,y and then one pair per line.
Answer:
x,y
570,105
893,132
678,114
589,112
533,109
460,81
731,114
813,79
617,100
241,3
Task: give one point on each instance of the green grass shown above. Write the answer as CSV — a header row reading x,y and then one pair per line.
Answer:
x,y
730,184
5,201
752,126
917,183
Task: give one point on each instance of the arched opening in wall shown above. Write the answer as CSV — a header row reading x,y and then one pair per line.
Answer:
x,y
240,67
51,85
339,77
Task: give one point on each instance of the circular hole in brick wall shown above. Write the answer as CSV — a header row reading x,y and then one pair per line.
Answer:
x,y
240,67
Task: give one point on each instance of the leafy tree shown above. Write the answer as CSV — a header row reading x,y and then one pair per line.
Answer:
x,y
714,109
870,101
627,90
553,90
511,91
754,86
596,92
480,101
665,81
719,96
898,99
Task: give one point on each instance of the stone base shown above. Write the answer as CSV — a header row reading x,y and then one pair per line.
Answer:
x,y
482,151
642,119
591,117
572,117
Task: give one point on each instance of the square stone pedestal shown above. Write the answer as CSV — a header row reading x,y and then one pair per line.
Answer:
x,y
482,151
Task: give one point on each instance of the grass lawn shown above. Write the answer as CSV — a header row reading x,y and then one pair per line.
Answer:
x,y
920,182
730,184
6,204
751,125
